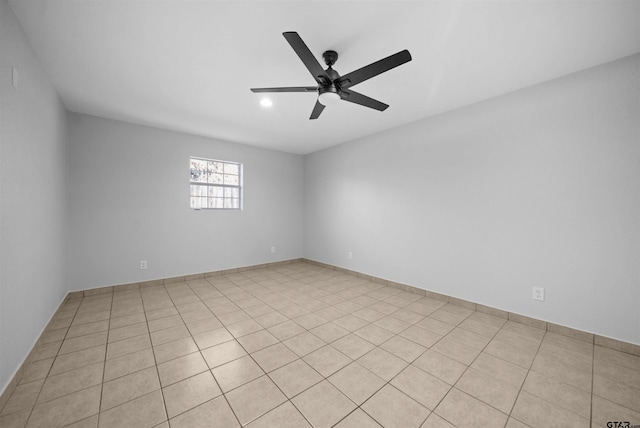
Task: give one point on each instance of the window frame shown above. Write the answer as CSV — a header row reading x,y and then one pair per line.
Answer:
x,y
208,185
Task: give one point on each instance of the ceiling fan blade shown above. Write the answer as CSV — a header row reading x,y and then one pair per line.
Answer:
x,y
317,109
363,100
373,69
307,57
287,89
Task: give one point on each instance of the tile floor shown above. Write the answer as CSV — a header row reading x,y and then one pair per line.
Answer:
x,y
300,345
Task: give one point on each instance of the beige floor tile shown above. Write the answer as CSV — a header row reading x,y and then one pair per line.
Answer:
x,y
448,317
126,332
463,410
436,326
407,316
38,370
368,314
177,348
254,399
169,334
356,382
617,373
283,416
123,347
425,338
382,363
233,317
424,347
243,328
309,321
330,313
514,423
304,343
560,394
562,372
83,342
468,338
256,341
478,327
358,419
323,405
126,388
499,369
16,419
392,324
350,322
236,373
424,388
78,359
89,316
286,330
391,408
212,338
537,412
617,392
223,353
519,354
71,381
212,414
166,311
270,319
440,366
329,332
128,363
23,397
353,346
616,357
435,421
295,377
327,360
274,357
126,320
403,348
576,359
456,350
181,368
605,411
89,328
203,325
189,393
66,409
374,334
488,389
166,322
145,411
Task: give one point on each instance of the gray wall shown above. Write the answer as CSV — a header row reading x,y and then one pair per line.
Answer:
x,y
129,188
33,199
540,187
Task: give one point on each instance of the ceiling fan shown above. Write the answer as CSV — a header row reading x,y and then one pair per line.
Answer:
x,y
331,86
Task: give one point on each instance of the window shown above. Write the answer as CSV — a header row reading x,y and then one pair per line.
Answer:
x,y
215,184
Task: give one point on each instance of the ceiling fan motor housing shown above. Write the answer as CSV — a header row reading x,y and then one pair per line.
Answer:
x,y
330,57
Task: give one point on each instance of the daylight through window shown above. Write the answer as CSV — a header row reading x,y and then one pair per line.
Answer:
x,y
215,184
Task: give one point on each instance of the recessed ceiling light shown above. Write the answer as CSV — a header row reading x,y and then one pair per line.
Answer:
x,y
266,102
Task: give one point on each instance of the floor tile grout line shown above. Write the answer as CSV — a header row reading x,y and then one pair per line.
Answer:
x,y
526,377
465,370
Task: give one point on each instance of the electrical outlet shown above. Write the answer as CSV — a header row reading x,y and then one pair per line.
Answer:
x,y
273,250
350,255
538,293
143,264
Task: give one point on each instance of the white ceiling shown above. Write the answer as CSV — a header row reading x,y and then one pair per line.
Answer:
x,y
188,65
